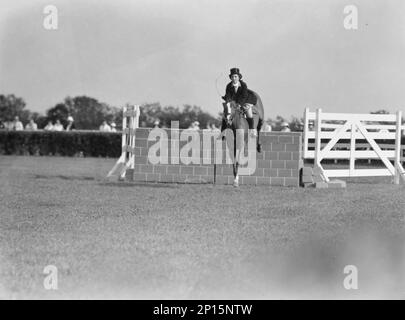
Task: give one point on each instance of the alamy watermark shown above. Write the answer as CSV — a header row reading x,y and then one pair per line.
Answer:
x,y
202,148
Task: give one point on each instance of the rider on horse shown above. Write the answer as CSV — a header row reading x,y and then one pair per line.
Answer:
x,y
238,91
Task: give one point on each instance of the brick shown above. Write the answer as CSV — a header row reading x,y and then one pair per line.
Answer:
x,y
186,170
226,170
152,177
291,182
295,173
179,178
248,180
145,168
270,173
263,181
263,164
275,181
190,178
268,138
277,147
271,155
298,139
162,169
278,164
258,172
143,143
203,171
291,164
142,134
222,179
260,155
173,169
284,155
207,179
292,147
286,139
141,159
139,176
286,173
166,178
295,155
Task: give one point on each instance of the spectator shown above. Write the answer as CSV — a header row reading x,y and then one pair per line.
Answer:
x,y
113,127
285,127
194,126
311,126
70,126
2,126
58,126
49,126
214,128
156,124
17,124
105,127
266,127
32,126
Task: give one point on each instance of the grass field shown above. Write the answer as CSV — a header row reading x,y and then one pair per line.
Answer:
x,y
164,241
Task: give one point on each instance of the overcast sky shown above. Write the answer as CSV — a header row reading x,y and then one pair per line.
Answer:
x,y
294,53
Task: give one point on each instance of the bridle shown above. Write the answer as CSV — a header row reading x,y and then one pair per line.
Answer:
x,y
235,108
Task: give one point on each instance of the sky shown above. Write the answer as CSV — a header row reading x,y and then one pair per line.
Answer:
x,y
293,53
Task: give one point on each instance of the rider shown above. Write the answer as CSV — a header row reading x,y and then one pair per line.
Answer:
x,y
237,91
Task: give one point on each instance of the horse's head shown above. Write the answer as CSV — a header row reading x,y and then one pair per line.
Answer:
x,y
233,112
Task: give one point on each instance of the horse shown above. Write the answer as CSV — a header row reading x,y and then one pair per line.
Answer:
x,y
238,121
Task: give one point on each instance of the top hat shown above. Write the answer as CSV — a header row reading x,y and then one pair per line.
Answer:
x,y
235,71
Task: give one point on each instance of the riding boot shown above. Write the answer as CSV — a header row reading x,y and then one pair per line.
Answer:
x,y
223,128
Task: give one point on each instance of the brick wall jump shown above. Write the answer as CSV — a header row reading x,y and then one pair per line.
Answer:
x,y
278,164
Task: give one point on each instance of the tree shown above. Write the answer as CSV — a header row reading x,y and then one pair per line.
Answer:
x,y
87,112
11,106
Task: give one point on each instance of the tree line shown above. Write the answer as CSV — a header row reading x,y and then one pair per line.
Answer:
x,y
89,113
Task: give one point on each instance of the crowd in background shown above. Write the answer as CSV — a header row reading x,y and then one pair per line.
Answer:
x,y
17,125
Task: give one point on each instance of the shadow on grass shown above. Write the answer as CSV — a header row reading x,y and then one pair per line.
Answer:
x,y
43,176
125,184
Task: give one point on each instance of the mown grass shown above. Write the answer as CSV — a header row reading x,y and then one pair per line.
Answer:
x,y
128,240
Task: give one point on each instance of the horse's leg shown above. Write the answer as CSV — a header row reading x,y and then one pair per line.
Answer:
x,y
239,143
258,144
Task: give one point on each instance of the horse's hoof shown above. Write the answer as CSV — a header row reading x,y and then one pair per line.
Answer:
x,y
236,184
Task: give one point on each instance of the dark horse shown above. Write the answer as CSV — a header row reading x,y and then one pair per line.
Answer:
x,y
238,121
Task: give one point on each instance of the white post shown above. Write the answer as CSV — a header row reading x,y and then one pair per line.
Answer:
x,y
352,149
305,134
123,157
124,135
318,123
398,147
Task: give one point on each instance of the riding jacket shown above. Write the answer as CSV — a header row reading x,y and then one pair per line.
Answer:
x,y
241,96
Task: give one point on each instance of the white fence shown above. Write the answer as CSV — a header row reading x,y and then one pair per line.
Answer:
x,y
378,136
130,121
